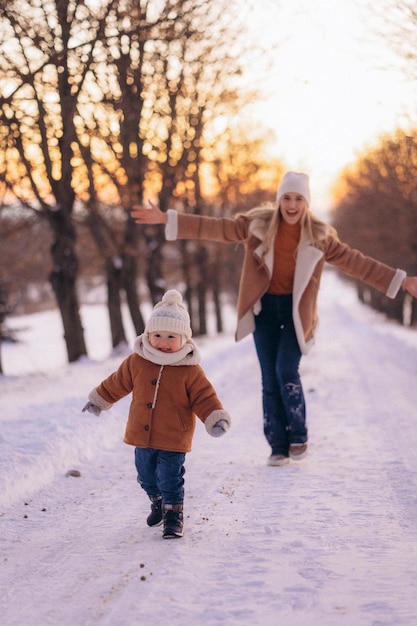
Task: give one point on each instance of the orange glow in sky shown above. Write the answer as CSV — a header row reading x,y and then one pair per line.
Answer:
x,y
332,90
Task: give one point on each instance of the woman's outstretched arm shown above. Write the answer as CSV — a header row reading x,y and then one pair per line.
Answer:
x,y
151,215
410,285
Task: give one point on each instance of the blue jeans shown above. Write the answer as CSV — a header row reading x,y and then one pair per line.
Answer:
x,y
161,474
279,357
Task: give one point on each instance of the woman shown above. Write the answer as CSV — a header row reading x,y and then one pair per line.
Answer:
x,y
286,247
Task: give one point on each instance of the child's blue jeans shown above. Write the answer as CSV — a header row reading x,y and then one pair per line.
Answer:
x,y
279,356
161,474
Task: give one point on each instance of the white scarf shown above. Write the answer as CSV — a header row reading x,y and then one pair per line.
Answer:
x,y
144,349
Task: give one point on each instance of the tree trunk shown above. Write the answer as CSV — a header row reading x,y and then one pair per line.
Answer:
x,y
201,263
217,306
1,343
156,284
215,273
63,280
202,302
3,313
114,305
130,274
130,288
107,246
187,265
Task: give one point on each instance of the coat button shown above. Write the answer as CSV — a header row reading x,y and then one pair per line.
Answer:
x,y
146,427
154,381
149,405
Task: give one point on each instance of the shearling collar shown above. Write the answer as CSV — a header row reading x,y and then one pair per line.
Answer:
x,y
259,226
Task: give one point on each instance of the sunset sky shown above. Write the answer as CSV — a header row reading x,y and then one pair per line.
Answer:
x,y
327,98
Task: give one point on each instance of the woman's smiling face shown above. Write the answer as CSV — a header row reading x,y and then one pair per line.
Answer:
x,y
292,207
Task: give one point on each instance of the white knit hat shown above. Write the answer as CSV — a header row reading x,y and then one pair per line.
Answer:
x,y
294,182
170,314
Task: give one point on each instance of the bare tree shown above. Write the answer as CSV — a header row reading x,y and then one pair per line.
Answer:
x,y
198,83
49,60
46,54
376,212
150,119
102,105
395,24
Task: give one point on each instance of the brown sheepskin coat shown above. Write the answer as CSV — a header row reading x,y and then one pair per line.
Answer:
x,y
256,274
165,400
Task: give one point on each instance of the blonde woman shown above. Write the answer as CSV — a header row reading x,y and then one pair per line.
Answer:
x,y
286,247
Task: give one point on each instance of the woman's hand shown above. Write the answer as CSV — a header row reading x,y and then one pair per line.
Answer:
x,y
410,285
153,215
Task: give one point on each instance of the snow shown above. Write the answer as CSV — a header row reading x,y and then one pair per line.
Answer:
x,y
328,540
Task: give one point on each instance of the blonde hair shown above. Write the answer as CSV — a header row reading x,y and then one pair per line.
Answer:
x,y
313,229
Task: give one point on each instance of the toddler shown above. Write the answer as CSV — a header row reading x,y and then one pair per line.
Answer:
x,y
169,389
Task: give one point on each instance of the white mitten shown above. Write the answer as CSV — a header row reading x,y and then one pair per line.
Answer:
x,y
92,408
220,428
218,423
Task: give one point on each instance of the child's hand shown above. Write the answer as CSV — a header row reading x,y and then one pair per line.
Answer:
x,y
218,423
219,428
92,408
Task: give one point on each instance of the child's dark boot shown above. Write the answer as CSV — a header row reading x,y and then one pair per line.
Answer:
x,y
173,521
155,516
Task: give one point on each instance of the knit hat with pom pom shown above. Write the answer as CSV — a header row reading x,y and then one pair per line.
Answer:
x,y
171,315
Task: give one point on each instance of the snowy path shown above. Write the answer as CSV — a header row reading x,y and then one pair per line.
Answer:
x,y
330,540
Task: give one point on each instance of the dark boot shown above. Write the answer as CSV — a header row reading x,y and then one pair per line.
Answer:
x,y
173,521
155,516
